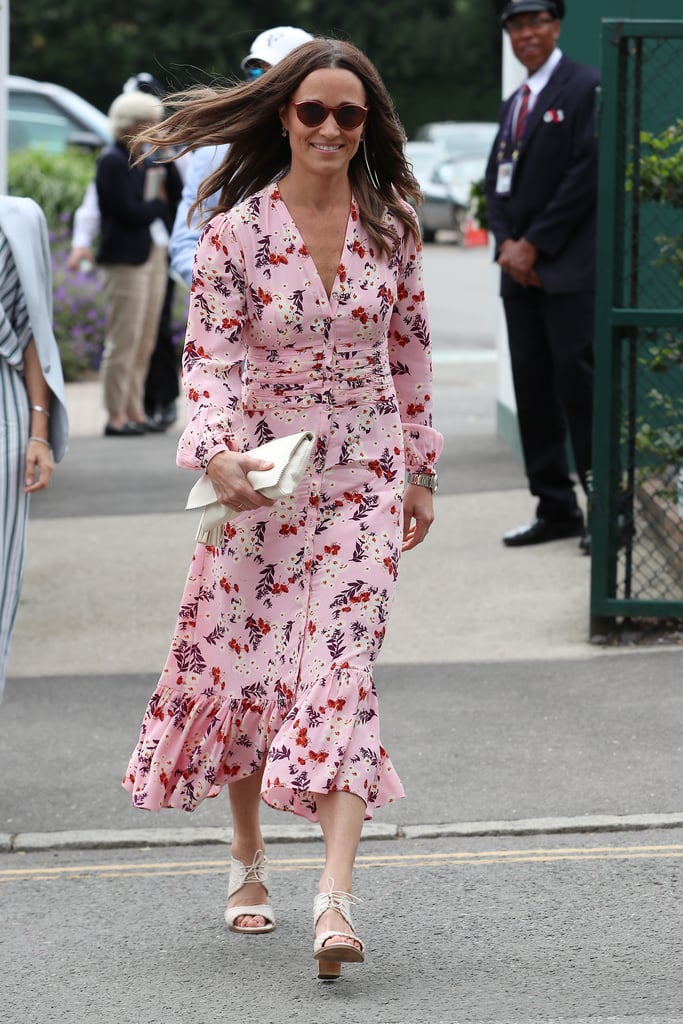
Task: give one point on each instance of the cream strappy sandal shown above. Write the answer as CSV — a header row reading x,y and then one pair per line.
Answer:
x,y
241,874
330,956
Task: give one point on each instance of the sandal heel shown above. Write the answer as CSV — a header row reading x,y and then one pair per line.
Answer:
x,y
338,952
329,970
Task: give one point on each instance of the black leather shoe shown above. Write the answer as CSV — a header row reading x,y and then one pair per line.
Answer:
x,y
153,426
541,530
129,429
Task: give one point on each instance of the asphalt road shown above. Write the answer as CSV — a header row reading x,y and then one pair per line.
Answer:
x,y
506,931
508,888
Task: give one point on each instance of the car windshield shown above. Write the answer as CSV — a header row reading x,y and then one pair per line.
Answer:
x,y
91,117
49,120
460,137
465,143
424,157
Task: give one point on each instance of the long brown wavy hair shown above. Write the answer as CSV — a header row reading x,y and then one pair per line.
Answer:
x,y
246,117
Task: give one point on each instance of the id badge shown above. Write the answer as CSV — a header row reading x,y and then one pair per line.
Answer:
x,y
504,179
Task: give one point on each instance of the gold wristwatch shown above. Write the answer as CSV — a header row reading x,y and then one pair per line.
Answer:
x,y
429,480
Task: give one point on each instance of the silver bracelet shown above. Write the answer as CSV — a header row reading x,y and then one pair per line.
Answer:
x,y
39,408
41,440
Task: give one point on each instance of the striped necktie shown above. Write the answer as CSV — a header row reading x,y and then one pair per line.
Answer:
x,y
522,113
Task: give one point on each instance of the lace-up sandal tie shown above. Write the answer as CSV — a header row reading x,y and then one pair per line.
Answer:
x,y
240,875
330,955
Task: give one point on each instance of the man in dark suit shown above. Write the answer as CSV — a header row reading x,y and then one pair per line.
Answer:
x,y
541,189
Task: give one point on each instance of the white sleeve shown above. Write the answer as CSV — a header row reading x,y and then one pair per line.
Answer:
x,y
86,220
183,238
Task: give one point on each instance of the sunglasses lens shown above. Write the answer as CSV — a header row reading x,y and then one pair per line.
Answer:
x,y
254,73
311,114
350,116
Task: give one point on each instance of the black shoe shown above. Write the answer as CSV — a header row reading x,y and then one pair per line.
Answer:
x,y
541,530
586,543
129,429
152,426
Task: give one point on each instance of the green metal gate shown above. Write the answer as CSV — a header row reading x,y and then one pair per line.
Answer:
x,y
637,499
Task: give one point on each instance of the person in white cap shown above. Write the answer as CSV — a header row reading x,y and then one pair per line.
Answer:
x,y
267,49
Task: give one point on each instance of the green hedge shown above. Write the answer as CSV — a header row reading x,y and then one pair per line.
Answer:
x,y
57,182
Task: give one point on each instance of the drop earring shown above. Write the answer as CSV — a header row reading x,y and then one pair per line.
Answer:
x,y
284,132
371,174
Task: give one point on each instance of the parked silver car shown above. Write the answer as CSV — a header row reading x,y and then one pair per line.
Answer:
x,y
50,117
459,138
445,182
452,208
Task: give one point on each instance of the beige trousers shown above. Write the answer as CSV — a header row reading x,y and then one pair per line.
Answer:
x,y
135,295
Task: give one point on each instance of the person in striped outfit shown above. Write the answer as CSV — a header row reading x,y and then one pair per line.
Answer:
x,y
32,405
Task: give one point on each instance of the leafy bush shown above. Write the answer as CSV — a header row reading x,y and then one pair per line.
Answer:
x,y
57,182
660,434
80,317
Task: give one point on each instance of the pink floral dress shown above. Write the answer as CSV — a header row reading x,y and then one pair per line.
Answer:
x,y
279,626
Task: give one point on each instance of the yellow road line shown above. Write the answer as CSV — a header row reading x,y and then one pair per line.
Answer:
x,y
454,859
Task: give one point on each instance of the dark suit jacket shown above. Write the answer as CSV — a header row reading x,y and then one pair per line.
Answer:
x,y
126,216
554,190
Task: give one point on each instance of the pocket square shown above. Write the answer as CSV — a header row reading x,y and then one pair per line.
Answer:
x,y
289,456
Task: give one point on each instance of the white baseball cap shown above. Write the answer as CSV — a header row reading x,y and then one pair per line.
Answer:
x,y
275,43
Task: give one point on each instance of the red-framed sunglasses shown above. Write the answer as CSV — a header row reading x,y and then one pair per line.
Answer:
x,y
347,115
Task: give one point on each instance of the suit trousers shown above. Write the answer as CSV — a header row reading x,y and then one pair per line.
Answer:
x,y
551,352
162,385
135,296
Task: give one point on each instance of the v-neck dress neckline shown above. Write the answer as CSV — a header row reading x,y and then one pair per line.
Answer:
x,y
350,220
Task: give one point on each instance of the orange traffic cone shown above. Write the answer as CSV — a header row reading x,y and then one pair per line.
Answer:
x,y
474,235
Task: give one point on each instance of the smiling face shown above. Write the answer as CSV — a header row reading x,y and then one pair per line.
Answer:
x,y
533,38
327,148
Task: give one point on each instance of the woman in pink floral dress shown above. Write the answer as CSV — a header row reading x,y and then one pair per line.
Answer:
x,y
307,313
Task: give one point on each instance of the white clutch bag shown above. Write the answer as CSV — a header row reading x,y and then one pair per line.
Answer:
x,y
289,454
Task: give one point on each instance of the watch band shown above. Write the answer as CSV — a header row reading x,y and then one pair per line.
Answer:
x,y
429,480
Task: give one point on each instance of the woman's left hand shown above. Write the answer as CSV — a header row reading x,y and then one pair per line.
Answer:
x,y
39,466
418,515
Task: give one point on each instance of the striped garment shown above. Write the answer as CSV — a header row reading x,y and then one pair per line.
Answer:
x,y
15,334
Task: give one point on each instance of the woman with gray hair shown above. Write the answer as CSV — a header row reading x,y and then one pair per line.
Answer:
x,y
137,200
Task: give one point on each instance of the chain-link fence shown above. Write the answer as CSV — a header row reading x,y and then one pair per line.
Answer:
x,y
637,501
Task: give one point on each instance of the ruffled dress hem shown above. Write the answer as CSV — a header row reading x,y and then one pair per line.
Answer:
x,y
193,743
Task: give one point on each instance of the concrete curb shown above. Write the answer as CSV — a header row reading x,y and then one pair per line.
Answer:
x,y
110,839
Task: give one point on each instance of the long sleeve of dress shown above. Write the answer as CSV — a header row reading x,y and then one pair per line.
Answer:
x,y
214,348
410,361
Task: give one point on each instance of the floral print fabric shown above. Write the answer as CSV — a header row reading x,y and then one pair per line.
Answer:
x,y
279,627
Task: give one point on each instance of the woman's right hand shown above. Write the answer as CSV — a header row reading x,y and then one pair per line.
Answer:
x,y
228,474
79,254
